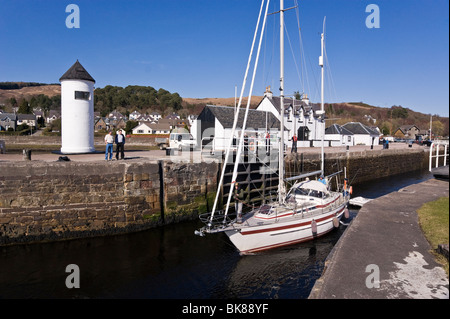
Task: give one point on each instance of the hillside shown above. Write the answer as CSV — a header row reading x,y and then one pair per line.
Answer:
x,y
386,119
28,92
224,101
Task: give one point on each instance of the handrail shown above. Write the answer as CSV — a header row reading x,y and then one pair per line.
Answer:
x,y
436,145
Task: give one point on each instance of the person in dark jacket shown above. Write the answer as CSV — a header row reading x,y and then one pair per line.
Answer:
x,y
120,142
239,199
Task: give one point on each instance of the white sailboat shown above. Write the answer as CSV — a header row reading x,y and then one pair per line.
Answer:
x,y
308,210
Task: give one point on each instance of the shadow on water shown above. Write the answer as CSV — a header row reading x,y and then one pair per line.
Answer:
x,y
170,262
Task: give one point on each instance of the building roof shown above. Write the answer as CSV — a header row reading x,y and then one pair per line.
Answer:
x,y
11,116
256,119
359,128
289,102
77,72
154,126
22,117
406,128
337,129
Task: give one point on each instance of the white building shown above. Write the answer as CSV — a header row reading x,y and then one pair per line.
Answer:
x,y
135,115
151,128
77,111
300,118
338,136
28,119
362,134
214,124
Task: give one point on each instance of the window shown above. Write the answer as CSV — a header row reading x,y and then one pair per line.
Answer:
x,y
80,95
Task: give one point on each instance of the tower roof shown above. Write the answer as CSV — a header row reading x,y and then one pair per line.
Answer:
x,y
77,72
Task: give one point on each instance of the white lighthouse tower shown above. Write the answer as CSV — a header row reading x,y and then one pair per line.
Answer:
x,y
77,111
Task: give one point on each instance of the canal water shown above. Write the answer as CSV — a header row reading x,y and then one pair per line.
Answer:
x,y
172,263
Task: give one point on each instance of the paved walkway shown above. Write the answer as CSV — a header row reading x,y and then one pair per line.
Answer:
x,y
161,154
385,238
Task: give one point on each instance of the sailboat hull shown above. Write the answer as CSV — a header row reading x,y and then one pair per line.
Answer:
x,y
259,238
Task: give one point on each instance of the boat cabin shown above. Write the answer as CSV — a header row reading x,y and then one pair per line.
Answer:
x,y
311,189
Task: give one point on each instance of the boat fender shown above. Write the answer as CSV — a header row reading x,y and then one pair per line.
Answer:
x,y
350,190
314,227
346,213
335,222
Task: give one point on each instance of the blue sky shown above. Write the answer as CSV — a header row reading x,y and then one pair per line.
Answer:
x,y
199,48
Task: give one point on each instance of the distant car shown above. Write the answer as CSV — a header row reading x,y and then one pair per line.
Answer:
x,y
162,142
427,143
182,141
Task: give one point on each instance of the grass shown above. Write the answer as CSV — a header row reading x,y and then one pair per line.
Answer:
x,y
434,221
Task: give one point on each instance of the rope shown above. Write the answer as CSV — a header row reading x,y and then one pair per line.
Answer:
x,y
237,111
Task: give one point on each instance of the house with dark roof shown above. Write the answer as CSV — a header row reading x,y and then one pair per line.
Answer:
x,y
53,115
338,136
408,132
156,116
100,124
134,115
300,117
28,119
363,134
151,128
7,121
115,115
215,123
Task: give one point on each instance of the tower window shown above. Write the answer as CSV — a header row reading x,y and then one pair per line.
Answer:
x,y
80,95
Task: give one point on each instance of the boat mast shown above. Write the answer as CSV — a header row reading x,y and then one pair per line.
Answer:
x,y
321,97
281,187
236,115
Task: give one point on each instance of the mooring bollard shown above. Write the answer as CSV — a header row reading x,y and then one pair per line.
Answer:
x,y
27,155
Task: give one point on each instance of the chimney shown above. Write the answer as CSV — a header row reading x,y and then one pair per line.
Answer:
x,y
268,93
305,99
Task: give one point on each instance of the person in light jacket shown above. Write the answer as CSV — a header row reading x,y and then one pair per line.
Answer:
x,y
109,140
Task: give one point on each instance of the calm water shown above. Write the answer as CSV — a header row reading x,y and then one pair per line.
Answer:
x,y
171,262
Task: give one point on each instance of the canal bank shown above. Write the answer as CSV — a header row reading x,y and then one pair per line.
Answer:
x,y
46,199
384,254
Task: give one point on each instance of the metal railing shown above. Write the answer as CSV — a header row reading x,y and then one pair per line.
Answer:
x,y
435,146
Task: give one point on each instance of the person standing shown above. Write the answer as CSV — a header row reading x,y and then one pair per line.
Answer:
x,y
239,198
322,180
267,143
294,144
120,143
109,140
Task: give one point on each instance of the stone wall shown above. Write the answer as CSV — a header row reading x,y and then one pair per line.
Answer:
x,y
362,166
61,200
47,201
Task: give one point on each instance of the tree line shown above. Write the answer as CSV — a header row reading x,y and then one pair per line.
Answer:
x,y
108,99
133,97
40,101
